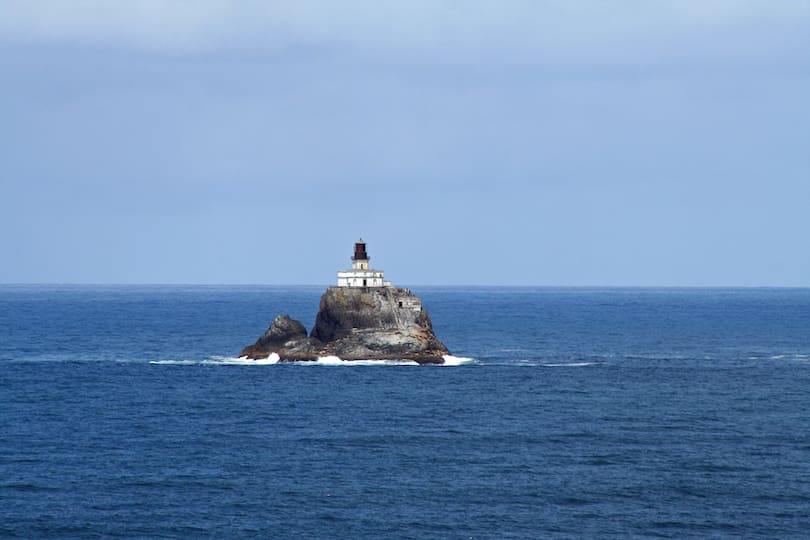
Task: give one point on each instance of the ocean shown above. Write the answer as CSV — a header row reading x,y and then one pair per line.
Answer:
x,y
569,412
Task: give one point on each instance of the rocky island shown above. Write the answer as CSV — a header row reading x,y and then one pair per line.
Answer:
x,y
364,318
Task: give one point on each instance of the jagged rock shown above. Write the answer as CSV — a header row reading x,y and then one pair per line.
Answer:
x,y
282,330
284,335
354,323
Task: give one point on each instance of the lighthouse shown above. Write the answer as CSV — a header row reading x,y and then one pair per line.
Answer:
x,y
360,274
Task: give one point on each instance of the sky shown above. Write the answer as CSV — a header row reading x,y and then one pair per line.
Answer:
x,y
559,143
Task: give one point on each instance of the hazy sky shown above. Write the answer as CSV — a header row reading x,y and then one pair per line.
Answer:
x,y
501,142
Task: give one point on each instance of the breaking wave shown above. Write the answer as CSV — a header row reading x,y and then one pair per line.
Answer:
x,y
221,361
449,360
337,361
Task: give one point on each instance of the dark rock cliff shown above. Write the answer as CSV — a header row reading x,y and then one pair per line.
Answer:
x,y
378,323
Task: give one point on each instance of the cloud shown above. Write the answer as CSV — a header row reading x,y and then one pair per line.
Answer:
x,y
516,31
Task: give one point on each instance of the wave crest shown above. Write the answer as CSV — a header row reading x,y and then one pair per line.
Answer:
x,y
273,359
221,361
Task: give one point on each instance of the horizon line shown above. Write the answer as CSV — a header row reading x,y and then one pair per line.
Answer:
x,y
434,285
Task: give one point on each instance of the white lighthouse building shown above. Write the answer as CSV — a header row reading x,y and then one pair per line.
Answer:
x,y
361,275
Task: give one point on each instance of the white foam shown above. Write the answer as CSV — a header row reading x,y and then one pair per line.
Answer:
x,y
450,360
786,356
329,361
570,364
337,361
272,359
222,361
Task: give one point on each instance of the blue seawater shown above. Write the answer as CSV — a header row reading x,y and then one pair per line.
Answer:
x,y
604,413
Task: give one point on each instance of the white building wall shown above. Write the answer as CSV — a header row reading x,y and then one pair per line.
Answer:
x,y
411,303
360,278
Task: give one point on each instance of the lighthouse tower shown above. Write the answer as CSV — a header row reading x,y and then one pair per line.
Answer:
x,y
361,275
360,257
